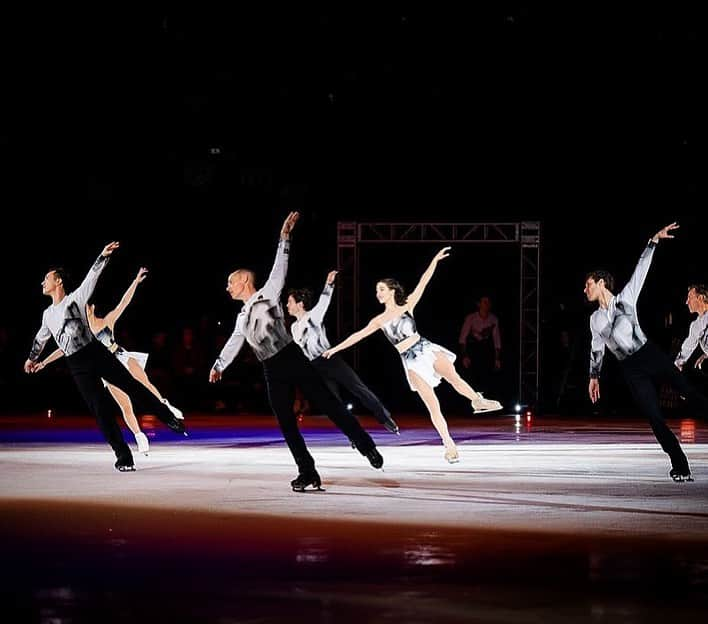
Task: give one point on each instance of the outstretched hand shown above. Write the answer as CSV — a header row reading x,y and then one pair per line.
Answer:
x,y
330,277
142,274
288,225
443,253
664,232
110,248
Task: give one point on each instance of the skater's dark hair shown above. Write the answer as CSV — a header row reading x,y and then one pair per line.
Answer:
x,y
98,311
701,291
399,293
302,295
62,274
606,276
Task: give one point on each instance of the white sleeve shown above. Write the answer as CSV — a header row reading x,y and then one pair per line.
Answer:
x,y
230,350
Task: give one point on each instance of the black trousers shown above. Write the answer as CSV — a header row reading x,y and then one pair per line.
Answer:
x,y
643,370
289,368
336,372
697,377
87,366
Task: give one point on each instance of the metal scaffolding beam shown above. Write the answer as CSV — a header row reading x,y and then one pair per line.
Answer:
x,y
529,312
348,281
438,232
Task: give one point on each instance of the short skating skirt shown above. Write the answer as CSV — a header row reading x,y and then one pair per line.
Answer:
x,y
123,357
420,358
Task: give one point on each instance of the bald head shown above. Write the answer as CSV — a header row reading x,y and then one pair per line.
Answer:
x,y
241,284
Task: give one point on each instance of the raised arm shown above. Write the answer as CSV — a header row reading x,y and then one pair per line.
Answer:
x,y
40,340
115,314
354,338
82,294
634,286
417,293
318,312
276,280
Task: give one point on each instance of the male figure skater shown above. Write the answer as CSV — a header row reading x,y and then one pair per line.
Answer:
x,y
697,302
309,333
89,361
261,323
615,324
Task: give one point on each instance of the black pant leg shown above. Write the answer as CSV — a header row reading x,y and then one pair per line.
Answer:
x,y
281,395
336,368
696,399
644,392
314,388
101,405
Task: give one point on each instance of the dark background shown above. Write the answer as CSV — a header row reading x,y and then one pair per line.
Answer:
x,y
188,136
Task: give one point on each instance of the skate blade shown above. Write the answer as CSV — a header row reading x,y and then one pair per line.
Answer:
x,y
312,489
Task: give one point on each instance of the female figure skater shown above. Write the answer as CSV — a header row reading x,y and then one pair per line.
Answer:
x,y
134,361
424,362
